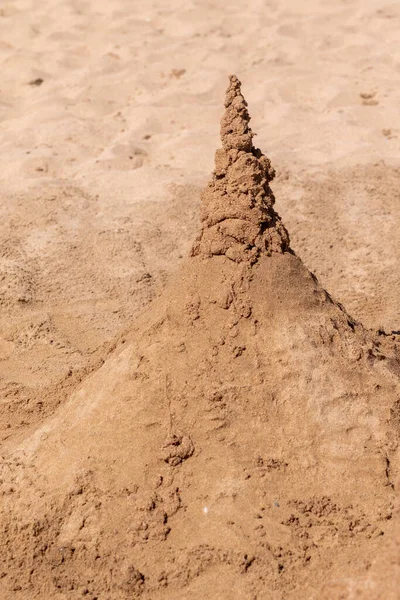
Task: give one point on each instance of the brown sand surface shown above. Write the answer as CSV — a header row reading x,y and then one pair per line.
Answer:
x,y
286,432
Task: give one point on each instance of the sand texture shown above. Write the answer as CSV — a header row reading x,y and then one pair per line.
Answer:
x,y
199,382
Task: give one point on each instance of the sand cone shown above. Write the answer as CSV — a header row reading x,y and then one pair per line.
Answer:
x,y
235,446
238,219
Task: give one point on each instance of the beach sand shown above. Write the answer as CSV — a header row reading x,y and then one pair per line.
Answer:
x,y
109,114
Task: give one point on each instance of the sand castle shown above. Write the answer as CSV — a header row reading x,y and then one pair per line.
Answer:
x,y
183,467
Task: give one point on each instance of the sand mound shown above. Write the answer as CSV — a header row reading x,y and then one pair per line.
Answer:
x,y
241,443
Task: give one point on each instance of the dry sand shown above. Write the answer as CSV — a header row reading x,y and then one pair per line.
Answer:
x,y
109,115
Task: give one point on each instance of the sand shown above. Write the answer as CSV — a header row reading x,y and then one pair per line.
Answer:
x,y
106,155
109,114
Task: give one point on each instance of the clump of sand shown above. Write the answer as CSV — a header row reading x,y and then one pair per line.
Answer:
x,y
238,219
242,442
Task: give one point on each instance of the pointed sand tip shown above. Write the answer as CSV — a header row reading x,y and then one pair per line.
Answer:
x,y
234,89
235,130
238,218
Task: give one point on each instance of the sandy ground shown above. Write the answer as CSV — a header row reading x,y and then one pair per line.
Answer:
x,y
109,115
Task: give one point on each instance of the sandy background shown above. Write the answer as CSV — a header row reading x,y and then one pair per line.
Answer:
x,y
109,117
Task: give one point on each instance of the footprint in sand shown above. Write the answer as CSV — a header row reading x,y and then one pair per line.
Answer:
x,y
123,157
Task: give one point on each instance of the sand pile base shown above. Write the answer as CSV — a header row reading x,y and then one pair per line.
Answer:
x,y
241,443
242,434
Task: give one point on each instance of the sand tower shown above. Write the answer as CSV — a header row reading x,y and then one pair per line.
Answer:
x,y
240,443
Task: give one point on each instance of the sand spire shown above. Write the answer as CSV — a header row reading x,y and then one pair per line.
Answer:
x,y
238,219
238,387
